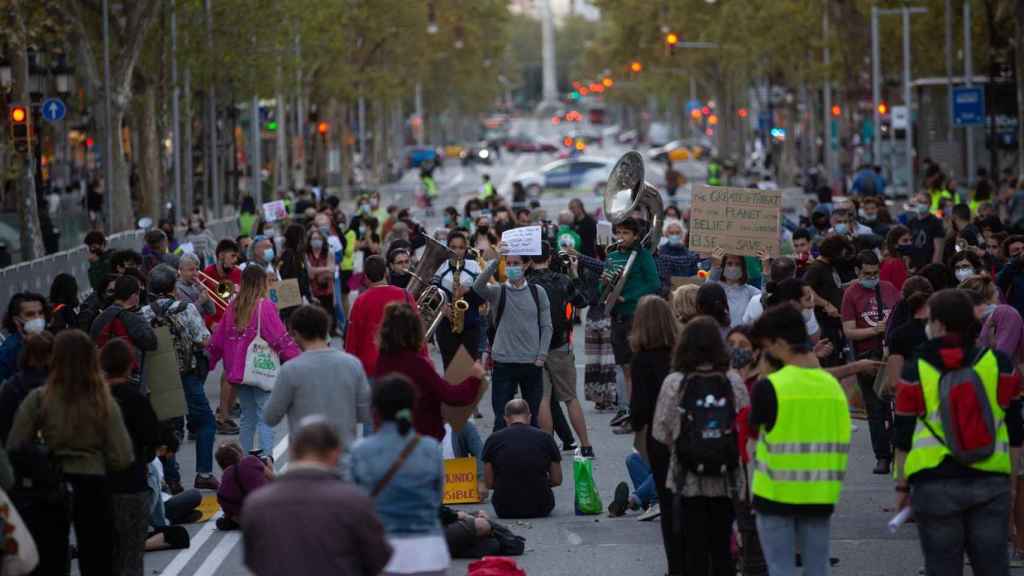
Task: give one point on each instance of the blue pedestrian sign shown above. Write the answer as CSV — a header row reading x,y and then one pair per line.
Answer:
x,y
53,109
969,106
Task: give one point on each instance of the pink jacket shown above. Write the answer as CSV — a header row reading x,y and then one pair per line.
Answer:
x,y
231,345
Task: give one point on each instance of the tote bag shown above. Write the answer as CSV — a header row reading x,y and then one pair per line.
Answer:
x,y
261,361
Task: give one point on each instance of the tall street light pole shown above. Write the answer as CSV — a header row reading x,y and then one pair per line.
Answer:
x,y
830,157
876,89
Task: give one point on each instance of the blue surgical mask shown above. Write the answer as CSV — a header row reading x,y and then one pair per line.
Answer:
x,y
922,209
842,228
675,239
514,272
268,254
869,283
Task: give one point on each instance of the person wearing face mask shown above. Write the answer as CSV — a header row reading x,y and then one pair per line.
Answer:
x,y
874,215
847,225
730,271
965,264
795,493
26,315
399,261
928,234
866,307
262,254
522,334
1001,326
945,491
899,246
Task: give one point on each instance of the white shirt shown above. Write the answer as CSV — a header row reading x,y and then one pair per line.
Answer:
x,y
755,309
469,273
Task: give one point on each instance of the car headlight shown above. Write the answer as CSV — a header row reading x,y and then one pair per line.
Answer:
x,y
485,153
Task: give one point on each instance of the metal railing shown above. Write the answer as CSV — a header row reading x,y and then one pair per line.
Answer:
x,y
37,275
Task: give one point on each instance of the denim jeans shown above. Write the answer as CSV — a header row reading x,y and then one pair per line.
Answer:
x,y
506,379
783,536
958,515
252,400
643,480
201,420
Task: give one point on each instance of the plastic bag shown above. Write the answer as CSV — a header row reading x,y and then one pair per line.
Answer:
x,y
587,500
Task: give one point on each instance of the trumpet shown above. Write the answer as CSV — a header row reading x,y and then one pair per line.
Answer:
x,y
220,296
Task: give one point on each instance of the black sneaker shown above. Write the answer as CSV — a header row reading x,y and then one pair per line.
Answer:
x,y
620,416
569,447
587,452
174,487
882,467
621,502
226,524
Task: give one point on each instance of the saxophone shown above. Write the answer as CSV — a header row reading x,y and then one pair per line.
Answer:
x,y
459,304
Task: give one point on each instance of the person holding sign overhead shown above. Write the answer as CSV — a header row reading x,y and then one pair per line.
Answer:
x,y
730,271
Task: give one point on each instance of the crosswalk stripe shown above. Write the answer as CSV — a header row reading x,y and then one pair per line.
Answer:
x,y
218,555
185,556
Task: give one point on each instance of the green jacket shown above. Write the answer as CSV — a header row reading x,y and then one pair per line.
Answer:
x,y
99,270
79,450
643,279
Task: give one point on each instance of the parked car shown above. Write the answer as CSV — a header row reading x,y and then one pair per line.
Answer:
x,y
479,153
583,172
417,156
523,143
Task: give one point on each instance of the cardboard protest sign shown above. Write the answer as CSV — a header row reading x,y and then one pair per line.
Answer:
x,y
460,481
274,211
523,241
738,220
678,281
285,293
460,369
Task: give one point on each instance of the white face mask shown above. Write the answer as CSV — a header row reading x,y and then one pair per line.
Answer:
x,y
732,273
34,326
963,274
808,314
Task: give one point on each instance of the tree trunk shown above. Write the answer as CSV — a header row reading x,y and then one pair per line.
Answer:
x,y
30,236
149,152
1019,57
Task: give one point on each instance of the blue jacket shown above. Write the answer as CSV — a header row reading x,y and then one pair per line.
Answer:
x,y
409,504
9,351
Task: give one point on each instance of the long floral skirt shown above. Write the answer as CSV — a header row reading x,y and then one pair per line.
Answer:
x,y
599,373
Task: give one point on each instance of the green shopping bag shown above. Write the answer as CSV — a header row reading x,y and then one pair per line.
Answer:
x,y
587,500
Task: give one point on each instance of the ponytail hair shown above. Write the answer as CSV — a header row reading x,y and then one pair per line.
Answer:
x,y
788,290
393,398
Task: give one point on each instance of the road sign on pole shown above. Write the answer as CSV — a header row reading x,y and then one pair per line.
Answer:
x,y
53,109
969,105
900,117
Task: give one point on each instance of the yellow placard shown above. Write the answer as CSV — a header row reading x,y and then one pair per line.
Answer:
x,y
460,481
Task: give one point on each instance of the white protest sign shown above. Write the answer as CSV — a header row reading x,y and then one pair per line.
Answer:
x,y
187,248
273,211
523,241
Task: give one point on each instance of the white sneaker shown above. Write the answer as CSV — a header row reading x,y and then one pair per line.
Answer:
x,y
650,514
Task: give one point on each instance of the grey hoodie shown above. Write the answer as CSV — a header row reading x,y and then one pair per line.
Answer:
x,y
520,338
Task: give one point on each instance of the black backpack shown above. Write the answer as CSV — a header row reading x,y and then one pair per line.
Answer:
x,y
706,445
561,325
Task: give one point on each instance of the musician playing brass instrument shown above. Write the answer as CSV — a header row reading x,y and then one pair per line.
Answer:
x,y
459,288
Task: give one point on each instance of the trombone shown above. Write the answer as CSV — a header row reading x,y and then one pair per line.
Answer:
x,y
222,295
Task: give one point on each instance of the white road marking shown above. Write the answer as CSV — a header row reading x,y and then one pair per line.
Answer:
x,y
220,552
223,548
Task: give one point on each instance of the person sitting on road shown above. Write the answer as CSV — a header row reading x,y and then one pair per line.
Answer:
x,y
242,475
309,521
521,465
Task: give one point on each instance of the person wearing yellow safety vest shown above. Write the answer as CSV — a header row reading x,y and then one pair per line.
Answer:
x,y
800,416
488,193
958,506
714,173
939,194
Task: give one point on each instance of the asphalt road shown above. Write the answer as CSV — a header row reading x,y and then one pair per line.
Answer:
x,y
565,543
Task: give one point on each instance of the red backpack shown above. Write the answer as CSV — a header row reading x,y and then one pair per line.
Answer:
x,y
495,566
966,414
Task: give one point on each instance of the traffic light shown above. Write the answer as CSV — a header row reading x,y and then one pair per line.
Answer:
x,y
671,39
636,67
742,112
21,131
322,128
713,119
883,108
608,82
271,126
836,110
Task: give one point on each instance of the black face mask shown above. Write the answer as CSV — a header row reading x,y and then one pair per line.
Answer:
x,y
400,279
772,361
